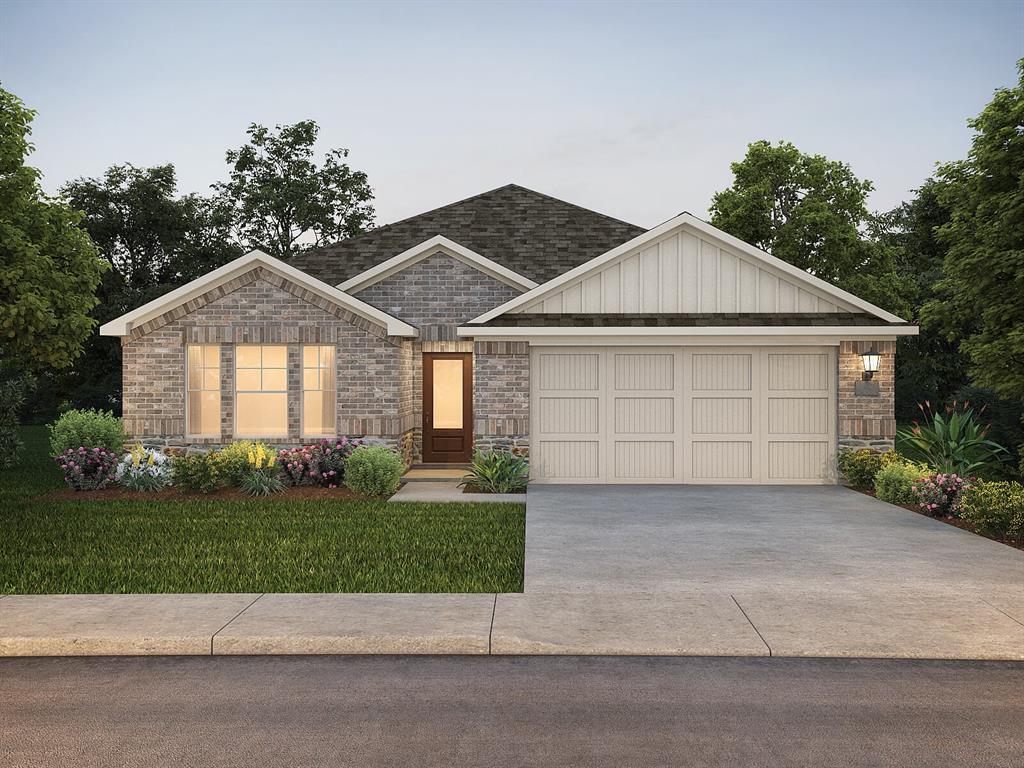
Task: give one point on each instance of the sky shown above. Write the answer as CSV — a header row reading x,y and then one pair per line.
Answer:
x,y
633,109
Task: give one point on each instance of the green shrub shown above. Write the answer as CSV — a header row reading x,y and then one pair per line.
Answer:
x,y
87,428
234,459
12,398
894,482
497,472
374,470
995,508
197,473
860,466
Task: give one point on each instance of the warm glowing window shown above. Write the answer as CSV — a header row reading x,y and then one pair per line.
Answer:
x,y
203,372
447,393
318,391
261,391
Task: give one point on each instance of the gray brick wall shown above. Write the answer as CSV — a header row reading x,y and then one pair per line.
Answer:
x,y
501,395
373,370
436,294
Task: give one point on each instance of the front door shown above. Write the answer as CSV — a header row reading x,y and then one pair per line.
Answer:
x,y
447,407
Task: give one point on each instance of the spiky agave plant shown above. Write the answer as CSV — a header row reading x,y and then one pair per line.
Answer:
x,y
497,472
955,441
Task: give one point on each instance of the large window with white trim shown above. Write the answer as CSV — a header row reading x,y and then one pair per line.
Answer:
x,y
318,391
202,372
261,390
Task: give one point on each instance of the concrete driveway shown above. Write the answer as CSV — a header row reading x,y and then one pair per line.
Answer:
x,y
782,571
672,538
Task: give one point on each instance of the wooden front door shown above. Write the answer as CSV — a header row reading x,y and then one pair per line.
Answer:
x,y
447,407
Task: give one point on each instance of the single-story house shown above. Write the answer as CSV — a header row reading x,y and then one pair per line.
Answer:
x,y
609,353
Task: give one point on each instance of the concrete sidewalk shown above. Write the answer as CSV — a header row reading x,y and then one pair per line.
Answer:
x,y
892,623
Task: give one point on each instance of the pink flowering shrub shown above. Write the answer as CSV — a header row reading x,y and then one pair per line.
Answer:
x,y
87,469
322,463
939,495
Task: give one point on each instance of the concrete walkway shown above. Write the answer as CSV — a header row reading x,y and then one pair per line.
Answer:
x,y
450,492
683,571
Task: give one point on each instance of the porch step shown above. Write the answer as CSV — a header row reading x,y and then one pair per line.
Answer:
x,y
434,473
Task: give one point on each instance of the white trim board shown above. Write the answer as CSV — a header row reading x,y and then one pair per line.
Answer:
x,y
122,325
627,333
688,220
438,243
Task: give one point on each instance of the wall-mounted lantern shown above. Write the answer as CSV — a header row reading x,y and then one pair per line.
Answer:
x,y
872,361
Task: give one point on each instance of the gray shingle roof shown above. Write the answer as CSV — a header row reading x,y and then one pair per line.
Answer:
x,y
539,237
689,320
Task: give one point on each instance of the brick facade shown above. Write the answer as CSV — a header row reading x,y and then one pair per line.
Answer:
x,y
866,420
437,294
501,395
260,307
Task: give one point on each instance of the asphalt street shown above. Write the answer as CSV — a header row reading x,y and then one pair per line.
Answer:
x,y
506,711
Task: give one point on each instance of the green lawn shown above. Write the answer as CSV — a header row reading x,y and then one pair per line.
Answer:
x,y
204,545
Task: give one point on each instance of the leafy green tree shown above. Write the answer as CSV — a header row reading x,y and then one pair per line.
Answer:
x,y
49,268
929,367
981,295
153,241
280,197
812,212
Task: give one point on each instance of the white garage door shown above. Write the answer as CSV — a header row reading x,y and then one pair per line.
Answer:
x,y
694,415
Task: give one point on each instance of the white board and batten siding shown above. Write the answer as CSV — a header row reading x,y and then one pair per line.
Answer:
x,y
685,272
683,415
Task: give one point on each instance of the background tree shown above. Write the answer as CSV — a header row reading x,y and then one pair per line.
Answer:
x,y
153,241
812,212
279,196
980,298
50,267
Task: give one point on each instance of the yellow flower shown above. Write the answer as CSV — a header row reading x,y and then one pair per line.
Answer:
x,y
152,459
272,460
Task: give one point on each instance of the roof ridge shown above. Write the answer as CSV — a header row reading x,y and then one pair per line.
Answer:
x,y
510,185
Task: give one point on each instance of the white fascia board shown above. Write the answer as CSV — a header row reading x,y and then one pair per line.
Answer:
x,y
624,334
428,247
712,231
122,325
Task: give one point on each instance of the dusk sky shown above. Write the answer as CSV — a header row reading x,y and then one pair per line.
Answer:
x,y
633,109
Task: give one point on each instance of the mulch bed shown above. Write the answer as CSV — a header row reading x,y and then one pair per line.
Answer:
x,y
474,489
956,522
299,493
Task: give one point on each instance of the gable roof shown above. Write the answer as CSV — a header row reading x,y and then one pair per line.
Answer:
x,y
437,244
756,255
534,235
122,325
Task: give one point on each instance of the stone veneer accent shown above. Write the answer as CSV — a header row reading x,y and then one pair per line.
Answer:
x,y
374,371
437,294
501,395
866,421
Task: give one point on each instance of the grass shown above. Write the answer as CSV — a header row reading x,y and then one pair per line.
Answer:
x,y
272,545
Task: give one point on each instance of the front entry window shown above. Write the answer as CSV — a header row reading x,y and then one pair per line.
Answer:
x,y
447,394
261,391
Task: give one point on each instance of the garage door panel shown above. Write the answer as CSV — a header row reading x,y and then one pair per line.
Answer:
x,y
721,459
644,371
798,460
570,459
721,415
798,371
644,415
712,372
797,415
570,415
644,460
569,371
